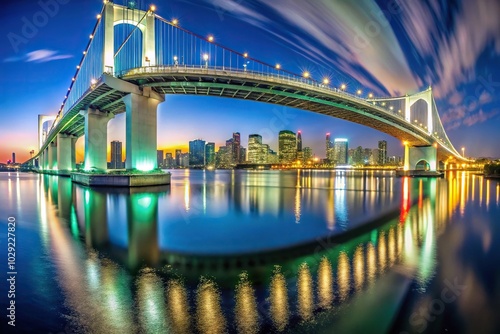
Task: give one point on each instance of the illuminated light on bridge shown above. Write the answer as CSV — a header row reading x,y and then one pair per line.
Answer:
x,y
133,78
210,38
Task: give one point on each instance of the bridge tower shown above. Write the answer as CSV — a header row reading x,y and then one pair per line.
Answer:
x,y
43,160
140,104
426,96
114,15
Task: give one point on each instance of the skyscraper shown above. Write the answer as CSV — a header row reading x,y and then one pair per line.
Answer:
x,y
159,158
243,154
287,146
307,153
178,158
210,154
197,153
13,157
299,141
340,149
236,147
116,155
382,152
255,148
169,161
329,148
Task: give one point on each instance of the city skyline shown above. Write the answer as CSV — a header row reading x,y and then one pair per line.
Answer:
x,y
468,104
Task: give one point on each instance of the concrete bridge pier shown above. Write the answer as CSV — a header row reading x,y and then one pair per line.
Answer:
x,y
52,156
41,160
96,137
66,156
141,129
420,158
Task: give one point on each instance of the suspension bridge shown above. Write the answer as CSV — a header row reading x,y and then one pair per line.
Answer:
x,y
135,57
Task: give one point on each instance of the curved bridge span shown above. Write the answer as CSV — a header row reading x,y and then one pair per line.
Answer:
x,y
109,82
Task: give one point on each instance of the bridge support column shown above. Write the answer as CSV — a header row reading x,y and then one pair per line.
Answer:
x,y
141,129
425,155
66,158
96,137
52,156
45,162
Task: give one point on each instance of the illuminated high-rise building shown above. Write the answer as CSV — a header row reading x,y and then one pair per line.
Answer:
x,y
13,157
329,148
169,160
236,147
116,155
159,158
210,154
178,158
255,148
197,153
299,141
340,149
287,146
307,154
382,152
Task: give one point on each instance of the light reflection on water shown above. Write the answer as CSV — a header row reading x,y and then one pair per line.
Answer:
x,y
116,271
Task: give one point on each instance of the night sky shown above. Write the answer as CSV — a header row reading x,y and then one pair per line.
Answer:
x,y
387,48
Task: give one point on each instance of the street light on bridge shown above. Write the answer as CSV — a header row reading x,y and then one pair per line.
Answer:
x,y
205,58
359,92
306,74
326,81
176,62
210,38
343,87
370,95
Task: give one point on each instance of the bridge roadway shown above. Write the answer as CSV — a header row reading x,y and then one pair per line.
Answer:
x,y
107,93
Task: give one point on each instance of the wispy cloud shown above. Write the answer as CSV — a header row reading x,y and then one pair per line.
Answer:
x,y
479,117
452,37
357,33
39,56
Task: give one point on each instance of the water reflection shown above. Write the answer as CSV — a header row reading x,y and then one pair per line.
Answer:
x,y
117,274
245,310
278,298
178,307
325,283
305,292
209,315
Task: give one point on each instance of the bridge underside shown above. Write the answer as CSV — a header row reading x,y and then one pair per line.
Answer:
x,y
107,96
212,83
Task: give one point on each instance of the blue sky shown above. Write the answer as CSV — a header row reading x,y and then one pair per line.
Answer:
x,y
389,48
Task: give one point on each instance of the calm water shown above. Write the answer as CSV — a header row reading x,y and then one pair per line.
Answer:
x,y
255,252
